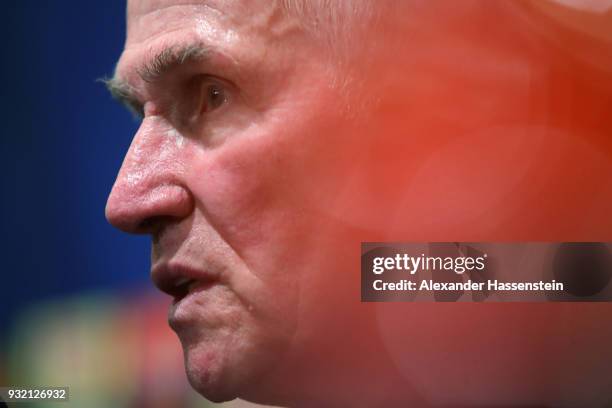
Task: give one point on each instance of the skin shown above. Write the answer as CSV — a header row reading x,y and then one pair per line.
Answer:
x,y
309,154
231,194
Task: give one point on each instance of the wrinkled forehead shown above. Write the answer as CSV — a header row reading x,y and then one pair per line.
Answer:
x,y
240,32
149,18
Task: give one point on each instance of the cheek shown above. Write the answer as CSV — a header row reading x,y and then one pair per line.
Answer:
x,y
239,191
266,183
263,192
243,190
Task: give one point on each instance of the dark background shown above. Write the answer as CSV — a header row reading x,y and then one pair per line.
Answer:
x,y
63,140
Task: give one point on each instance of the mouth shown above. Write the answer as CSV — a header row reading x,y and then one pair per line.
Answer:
x,y
178,280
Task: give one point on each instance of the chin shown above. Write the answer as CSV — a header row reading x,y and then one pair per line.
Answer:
x,y
207,373
220,373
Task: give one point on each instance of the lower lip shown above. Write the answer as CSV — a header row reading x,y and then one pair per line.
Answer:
x,y
193,291
191,308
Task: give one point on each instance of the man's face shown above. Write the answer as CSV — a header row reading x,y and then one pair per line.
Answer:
x,y
225,173
263,159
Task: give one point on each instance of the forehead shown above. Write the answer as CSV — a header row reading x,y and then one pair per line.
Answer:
x,y
149,18
238,30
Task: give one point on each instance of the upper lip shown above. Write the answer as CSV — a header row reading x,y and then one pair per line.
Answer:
x,y
175,278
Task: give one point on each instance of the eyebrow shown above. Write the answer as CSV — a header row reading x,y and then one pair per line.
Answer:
x,y
171,57
153,69
122,92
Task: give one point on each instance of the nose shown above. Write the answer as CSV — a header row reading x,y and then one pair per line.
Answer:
x,y
149,190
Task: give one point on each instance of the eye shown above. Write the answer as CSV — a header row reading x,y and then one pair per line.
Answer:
x,y
214,96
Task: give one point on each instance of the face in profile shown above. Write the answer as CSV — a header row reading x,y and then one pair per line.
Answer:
x,y
272,144
242,116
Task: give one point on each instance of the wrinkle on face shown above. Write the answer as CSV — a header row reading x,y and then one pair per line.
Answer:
x,y
242,225
147,23
222,24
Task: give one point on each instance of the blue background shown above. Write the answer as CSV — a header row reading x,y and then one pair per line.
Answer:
x,y
63,140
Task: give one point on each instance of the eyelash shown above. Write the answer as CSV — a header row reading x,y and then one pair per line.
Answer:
x,y
205,86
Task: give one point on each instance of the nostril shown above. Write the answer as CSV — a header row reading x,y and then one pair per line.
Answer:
x,y
148,225
143,210
152,225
